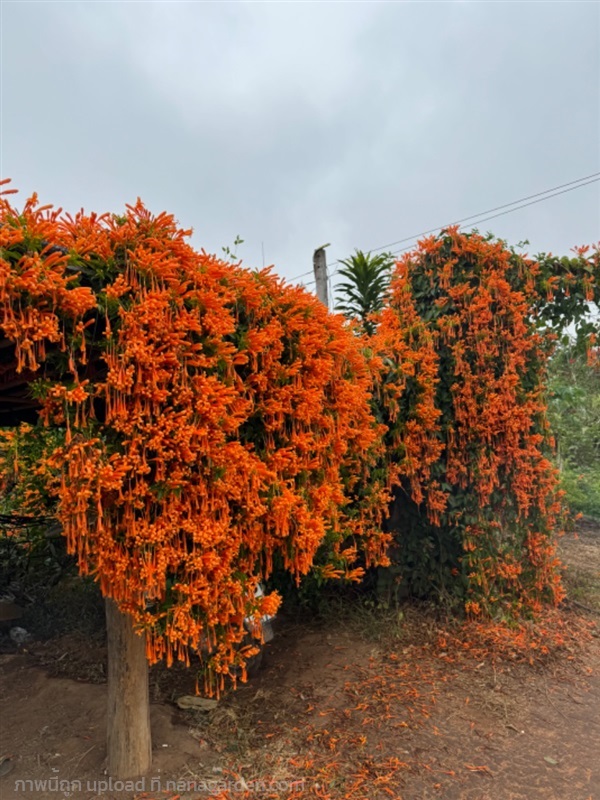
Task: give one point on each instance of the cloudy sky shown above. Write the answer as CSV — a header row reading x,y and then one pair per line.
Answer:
x,y
295,124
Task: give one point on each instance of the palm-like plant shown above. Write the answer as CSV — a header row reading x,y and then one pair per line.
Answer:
x,y
367,278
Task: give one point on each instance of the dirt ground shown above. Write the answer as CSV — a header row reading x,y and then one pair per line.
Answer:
x,y
369,706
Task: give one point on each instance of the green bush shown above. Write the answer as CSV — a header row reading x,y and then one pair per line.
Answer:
x,y
574,410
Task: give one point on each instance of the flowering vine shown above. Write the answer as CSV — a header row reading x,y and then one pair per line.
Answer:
x,y
212,417
493,511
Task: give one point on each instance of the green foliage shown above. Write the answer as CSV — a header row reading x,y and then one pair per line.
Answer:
x,y
33,558
231,252
574,410
362,294
425,559
582,488
568,293
33,554
27,478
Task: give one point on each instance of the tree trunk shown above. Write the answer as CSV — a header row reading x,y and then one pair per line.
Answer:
x,y
129,741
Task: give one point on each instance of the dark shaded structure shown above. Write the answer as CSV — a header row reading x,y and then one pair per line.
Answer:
x,y
17,403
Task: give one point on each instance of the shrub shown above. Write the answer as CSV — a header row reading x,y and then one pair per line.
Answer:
x,y
209,419
574,408
483,530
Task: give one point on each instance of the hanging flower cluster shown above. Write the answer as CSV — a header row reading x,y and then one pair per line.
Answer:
x,y
208,420
213,417
405,369
493,504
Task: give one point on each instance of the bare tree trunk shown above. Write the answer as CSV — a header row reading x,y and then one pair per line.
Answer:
x,y
129,740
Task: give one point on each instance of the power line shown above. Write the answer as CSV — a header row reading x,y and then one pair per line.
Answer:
x,y
493,216
547,195
510,210
304,274
594,176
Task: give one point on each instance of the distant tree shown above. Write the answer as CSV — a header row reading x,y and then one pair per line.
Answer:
x,y
367,279
574,414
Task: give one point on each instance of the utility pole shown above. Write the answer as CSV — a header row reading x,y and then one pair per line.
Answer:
x,y
320,268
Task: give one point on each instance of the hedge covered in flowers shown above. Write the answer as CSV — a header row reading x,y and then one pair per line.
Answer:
x,y
483,319
213,418
209,420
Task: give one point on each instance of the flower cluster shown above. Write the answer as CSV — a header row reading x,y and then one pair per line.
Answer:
x,y
495,507
213,418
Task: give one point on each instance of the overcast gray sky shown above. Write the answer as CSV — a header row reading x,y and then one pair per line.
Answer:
x,y
295,124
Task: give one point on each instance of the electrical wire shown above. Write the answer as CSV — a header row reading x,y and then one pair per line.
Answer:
x,y
304,274
547,195
518,208
595,176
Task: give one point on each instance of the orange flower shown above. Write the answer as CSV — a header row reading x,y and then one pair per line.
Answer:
x,y
224,419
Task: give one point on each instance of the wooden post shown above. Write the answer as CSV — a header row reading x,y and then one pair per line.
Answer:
x,y
129,742
320,267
